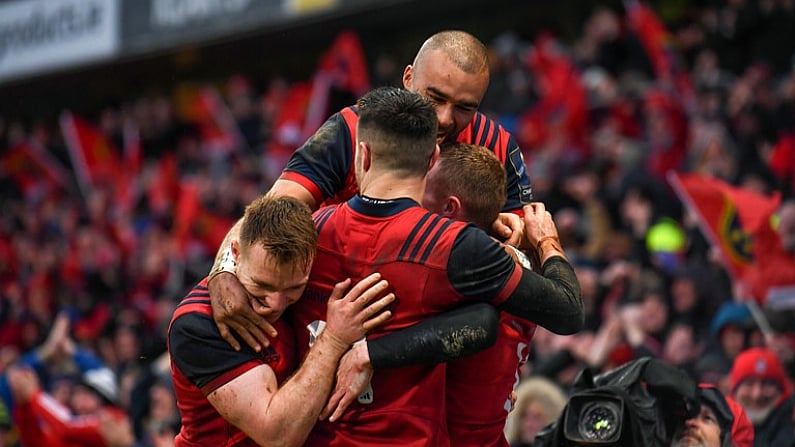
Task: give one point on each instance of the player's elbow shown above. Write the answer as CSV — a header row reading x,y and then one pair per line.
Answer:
x,y
570,324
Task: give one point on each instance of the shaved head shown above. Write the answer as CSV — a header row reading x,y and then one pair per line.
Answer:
x,y
463,49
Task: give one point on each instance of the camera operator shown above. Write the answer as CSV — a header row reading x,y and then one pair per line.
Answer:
x,y
647,402
721,422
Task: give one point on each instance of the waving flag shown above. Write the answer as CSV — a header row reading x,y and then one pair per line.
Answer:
x,y
730,217
343,66
193,221
95,159
562,107
31,167
660,48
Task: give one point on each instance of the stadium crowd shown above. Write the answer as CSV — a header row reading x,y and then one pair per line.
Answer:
x,y
92,265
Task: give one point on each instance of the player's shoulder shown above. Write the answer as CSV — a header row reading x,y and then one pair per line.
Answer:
x,y
437,227
194,312
486,132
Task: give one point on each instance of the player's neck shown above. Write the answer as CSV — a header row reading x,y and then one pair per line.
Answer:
x,y
387,187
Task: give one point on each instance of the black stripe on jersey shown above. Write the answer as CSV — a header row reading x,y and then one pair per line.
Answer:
x,y
476,128
411,236
487,123
323,216
187,301
424,236
433,241
198,293
421,239
493,141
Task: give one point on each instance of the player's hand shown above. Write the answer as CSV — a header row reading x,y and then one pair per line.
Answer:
x,y
234,310
509,227
350,316
538,223
353,377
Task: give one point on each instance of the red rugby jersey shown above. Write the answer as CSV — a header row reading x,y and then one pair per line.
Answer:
x,y
413,249
202,361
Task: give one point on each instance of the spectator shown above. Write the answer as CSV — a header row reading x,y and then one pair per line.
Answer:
x,y
43,421
681,347
760,385
539,402
58,362
720,422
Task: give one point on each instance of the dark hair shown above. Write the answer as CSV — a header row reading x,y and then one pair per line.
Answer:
x,y
284,227
400,127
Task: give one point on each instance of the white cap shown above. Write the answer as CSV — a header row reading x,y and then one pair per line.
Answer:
x,y
103,382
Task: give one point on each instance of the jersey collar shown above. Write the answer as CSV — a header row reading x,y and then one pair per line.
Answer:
x,y
380,208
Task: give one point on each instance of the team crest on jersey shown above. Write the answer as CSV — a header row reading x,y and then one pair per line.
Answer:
x,y
737,243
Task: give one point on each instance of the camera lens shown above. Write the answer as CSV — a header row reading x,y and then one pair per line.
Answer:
x,y
599,421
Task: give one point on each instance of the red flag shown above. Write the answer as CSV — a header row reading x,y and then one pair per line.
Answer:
x,y
654,37
204,107
29,165
211,228
192,220
782,160
346,63
94,158
127,188
659,45
185,215
667,132
289,125
562,108
729,216
343,66
164,185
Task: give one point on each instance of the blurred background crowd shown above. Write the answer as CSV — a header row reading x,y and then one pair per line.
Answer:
x,y
112,210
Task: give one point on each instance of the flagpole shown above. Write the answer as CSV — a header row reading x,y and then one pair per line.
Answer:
x,y
76,155
759,317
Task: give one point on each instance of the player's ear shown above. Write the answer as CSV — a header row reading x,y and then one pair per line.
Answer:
x,y
408,76
434,157
236,250
452,208
366,155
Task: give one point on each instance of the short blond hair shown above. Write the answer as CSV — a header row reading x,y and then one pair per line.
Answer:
x,y
284,227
